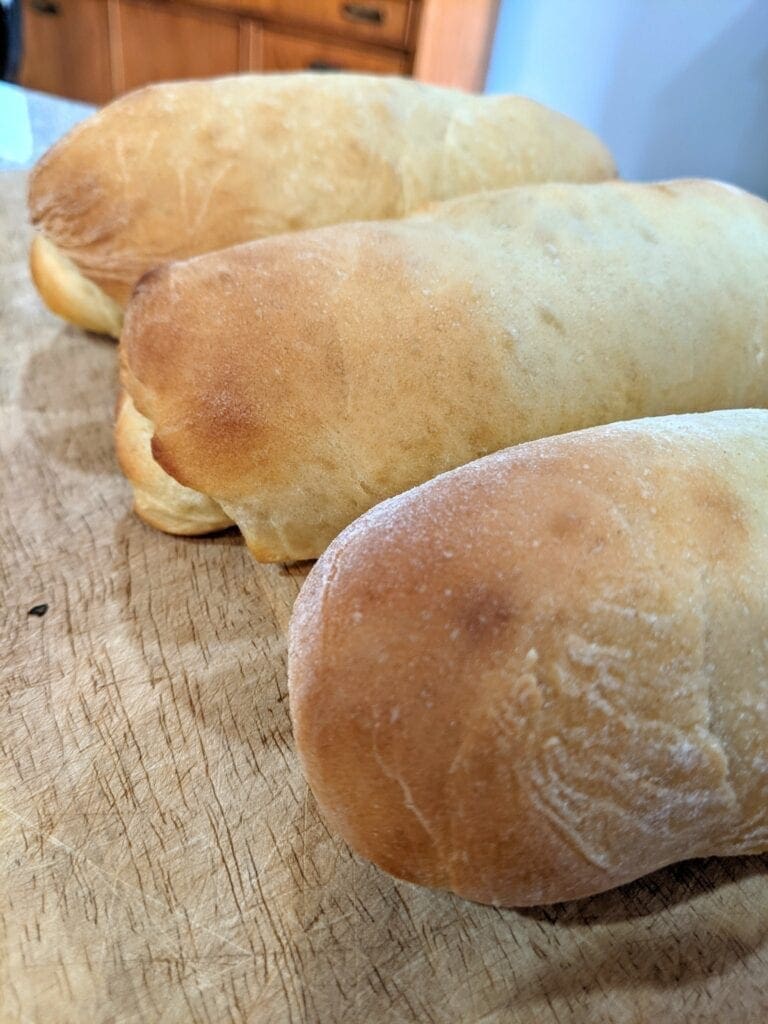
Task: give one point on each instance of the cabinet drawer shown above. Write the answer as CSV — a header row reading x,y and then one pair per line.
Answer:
x,y
160,41
283,52
66,49
372,21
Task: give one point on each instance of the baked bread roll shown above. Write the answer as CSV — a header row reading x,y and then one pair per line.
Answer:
x,y
157,498
297,381
546,673
183,168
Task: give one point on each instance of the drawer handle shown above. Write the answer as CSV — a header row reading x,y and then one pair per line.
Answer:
x,y
363,12
45,7
323,65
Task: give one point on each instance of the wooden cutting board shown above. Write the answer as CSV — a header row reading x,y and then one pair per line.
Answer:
x,y
163,861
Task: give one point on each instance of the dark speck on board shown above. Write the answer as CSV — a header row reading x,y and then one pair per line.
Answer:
x,y
549,318
39,610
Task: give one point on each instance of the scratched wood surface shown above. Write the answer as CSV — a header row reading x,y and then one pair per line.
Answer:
x,y
162,861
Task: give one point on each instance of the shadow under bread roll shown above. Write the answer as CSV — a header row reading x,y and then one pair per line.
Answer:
x,y
297,381
545,674
181,168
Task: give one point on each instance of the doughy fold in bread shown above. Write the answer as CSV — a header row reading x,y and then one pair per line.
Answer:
x,y
182,168
297,381
546,673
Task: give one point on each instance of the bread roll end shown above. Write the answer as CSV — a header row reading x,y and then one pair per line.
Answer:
x,y
158,499
543,674
68,294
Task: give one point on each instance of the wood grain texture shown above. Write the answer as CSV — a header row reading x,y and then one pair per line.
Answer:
x,y
162,860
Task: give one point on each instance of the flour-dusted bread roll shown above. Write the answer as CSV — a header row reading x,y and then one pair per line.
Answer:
x,y
297,381
183,168
546,673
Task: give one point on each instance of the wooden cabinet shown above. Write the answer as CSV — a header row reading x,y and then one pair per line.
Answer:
x,y
382,22
66,49
283,52
155,41
96,49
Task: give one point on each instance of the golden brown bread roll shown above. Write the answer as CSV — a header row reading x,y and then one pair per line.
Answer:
x,y
546,673
182,168
157,497
297,381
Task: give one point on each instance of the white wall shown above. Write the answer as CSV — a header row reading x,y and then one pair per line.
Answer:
x,y
675,87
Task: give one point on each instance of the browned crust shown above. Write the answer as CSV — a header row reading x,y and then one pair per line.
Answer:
x,y
544,674
159,499
300,379
181,168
